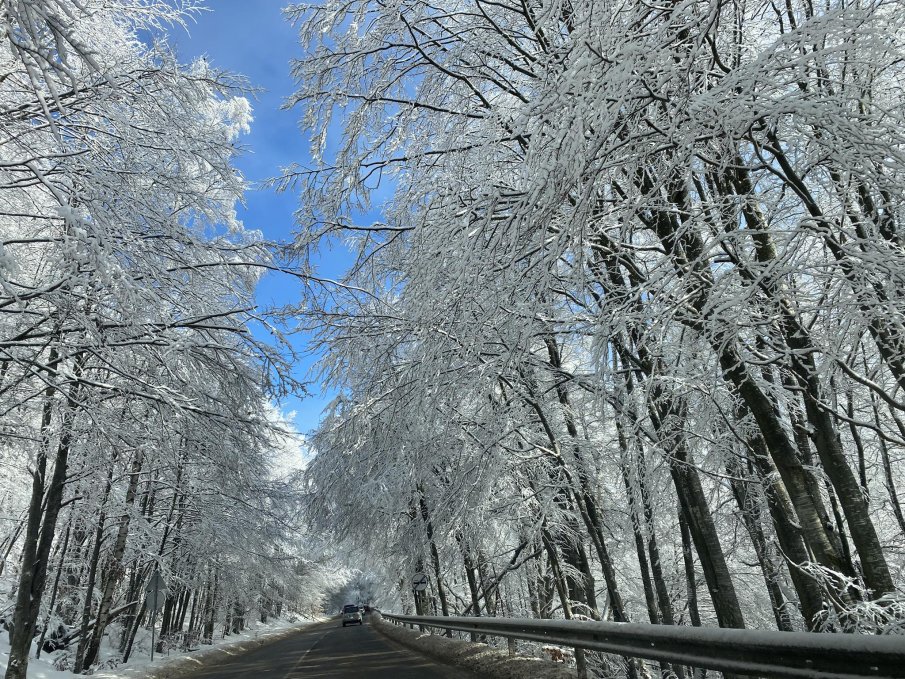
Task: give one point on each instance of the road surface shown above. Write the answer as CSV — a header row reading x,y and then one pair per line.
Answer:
x,y
330,651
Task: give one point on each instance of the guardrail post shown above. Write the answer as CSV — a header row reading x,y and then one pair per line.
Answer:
x,y
581,664
513,648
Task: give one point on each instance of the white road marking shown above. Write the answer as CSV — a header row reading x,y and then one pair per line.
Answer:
x,y
299,661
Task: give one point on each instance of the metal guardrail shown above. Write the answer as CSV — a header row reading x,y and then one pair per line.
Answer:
x,y
762,653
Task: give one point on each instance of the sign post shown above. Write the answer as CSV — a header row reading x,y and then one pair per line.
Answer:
x,y
155,594
419,584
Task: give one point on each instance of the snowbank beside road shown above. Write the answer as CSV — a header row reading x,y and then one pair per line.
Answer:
x,y
186,663
176,664
474,657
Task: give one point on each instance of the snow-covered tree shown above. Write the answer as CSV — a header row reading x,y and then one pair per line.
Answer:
x,y
134,396
633,299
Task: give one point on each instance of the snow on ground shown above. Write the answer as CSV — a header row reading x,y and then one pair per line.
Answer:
x,y
176,664
478,658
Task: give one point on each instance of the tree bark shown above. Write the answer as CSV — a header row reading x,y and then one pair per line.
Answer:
x,y
114,568
92,576
41,527
823,430
55,589
435,556
749,510
650,598
706,540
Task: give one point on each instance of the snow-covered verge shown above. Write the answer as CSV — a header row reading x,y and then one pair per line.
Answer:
x,y
474,657
177,663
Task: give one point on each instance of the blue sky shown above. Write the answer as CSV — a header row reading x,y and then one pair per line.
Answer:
x,y
251,38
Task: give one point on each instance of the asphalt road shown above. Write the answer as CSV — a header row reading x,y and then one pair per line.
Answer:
x,y
328,650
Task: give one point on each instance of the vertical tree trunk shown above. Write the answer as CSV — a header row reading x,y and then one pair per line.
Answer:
x,y
472,580
228,622
691,585
889,480
92,576
698,516
166,619
533,581
750,515
563,591
199,601
822,425
211,621
785,456
239,612
690,578
187,597
789,535
582,491
706,540
114,565
129,614
663,408
665,603
55,589
435,555
653,611
40,530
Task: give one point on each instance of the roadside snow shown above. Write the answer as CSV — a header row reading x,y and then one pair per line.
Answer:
x,y
474,657
177,663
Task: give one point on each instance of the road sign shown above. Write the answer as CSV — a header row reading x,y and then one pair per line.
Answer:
x,y
156,591
156,594
419,582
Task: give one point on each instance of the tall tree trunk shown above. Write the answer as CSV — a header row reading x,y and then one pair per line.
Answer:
x,y
55,589
92,575
663,408
535,585
690,263
663,599
435,555
789,535
691,583
211,621
166,619
650,598
470,577
562,589
583,490
40,530
579,494
889,480
749,511
822,425
114,565
129,615
187,597
785,456
706,540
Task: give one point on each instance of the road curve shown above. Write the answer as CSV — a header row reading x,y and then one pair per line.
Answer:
x,y
330,651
